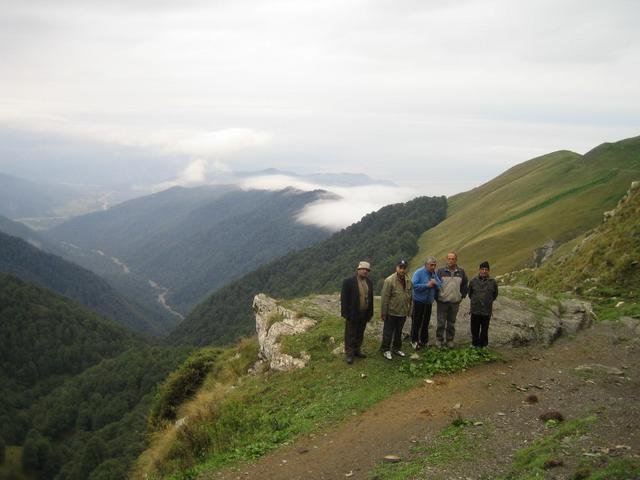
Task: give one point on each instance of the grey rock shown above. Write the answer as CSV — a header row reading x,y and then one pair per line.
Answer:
x,y
272,322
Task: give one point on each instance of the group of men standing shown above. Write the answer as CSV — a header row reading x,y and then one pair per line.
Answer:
x,y
402,297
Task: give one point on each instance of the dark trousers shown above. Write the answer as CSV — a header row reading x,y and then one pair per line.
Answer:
x,y
446,328
354,333
480,330
392,332
420,319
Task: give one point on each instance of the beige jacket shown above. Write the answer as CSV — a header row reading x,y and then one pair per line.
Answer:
x,y
396,301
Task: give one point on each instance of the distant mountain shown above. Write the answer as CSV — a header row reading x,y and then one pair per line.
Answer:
x,y
23,198
29,263
554,197
20,230
188,241
382,237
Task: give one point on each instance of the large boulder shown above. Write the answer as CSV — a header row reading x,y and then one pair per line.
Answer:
x,y
272,322
522,316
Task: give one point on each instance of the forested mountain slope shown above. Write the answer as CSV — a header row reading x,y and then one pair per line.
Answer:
x,y
45,339
190,241
25,261
381,237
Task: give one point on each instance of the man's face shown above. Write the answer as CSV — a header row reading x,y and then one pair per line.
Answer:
x,y
452,259
400,270
431,267
484,272
363,272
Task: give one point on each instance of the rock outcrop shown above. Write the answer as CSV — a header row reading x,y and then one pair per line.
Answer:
x,y
543,253
522,316
272,322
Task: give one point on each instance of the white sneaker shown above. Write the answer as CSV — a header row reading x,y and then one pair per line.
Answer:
x,y
387,355
414,345
400,353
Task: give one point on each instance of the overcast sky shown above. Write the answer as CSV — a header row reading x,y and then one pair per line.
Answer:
x,y
434,95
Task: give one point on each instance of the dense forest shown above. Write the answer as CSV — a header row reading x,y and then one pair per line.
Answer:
x,y
381,237
190,240
75,387
29,263
44,340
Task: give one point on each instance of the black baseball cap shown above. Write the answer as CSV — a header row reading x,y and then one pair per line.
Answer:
x,y
402,263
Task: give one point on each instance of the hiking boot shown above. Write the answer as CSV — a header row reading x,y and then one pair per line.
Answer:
x,y
450,344
439,343
361,355
349,359
387,355
400,353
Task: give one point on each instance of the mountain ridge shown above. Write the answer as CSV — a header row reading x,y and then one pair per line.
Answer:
x,y
556,197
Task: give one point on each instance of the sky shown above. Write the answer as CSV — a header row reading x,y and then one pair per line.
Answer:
x,y
435,96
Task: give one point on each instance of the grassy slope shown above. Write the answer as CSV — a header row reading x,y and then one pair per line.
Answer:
x,y
601,265
557,196
261,412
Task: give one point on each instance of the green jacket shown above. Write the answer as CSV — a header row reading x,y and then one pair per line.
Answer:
x,y
395,300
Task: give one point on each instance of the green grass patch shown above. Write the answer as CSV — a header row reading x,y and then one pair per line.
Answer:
x,y
267,410
618,469
453,445
397,471
434,361
529,462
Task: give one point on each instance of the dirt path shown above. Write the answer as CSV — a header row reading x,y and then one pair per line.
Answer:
x,y
492,394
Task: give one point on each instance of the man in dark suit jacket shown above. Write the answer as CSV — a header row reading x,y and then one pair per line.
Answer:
x,y
356,306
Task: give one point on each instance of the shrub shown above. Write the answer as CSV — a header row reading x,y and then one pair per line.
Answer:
x,y
181,384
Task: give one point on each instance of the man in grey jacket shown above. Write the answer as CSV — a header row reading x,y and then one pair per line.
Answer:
x,y
453,290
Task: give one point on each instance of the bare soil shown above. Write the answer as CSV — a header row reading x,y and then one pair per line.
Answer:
x,y
494,395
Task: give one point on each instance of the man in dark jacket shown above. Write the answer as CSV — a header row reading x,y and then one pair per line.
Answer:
x,y
483,290
356,307
453,290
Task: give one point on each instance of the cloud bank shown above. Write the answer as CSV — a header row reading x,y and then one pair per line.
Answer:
x,y
342,206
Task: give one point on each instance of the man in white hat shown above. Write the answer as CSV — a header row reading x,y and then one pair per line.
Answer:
x,y
356,306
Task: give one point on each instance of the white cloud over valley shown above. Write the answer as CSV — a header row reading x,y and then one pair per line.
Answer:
x,y
341,207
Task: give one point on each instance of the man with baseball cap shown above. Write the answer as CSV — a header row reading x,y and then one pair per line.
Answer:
x,y
356,307
395,306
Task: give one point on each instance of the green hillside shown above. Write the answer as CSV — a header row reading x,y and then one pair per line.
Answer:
x,y
557,196
381,237
189,240
603,265
31,264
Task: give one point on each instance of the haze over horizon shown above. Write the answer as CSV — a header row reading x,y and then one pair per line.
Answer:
x,y
437,98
